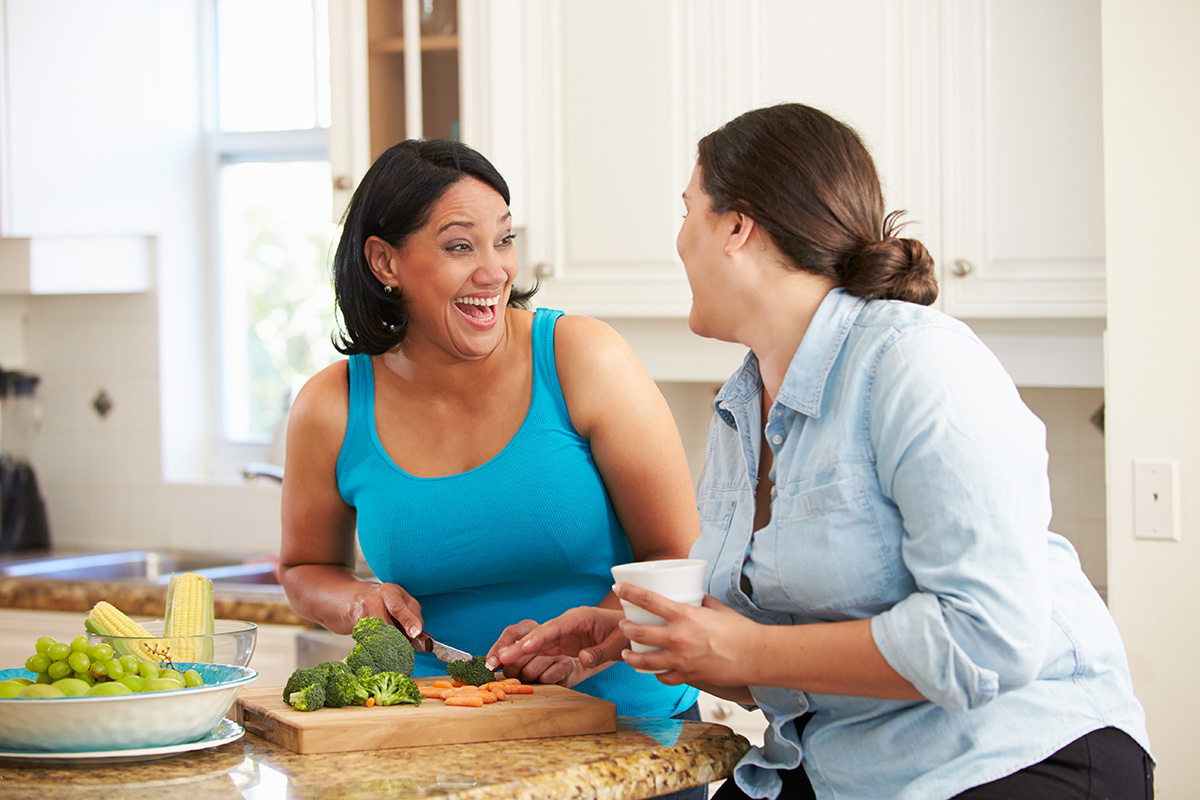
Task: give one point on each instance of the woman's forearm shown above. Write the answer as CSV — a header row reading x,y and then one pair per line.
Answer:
x,y
323,593
838,658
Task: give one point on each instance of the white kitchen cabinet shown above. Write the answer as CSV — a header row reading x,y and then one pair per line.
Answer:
x,y
592,111
1023,178
79,138
984,120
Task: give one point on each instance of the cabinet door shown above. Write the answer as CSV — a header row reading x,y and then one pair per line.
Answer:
x,y
1023,165
80,113
605,104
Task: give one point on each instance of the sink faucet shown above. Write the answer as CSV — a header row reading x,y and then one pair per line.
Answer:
x,y
257,469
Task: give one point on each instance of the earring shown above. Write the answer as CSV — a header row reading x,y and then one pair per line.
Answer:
x,y
387,289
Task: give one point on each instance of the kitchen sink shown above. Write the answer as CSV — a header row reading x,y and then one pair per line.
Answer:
x,y
142,566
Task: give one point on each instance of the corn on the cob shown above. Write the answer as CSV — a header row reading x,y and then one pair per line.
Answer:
x,y
189,613
105,619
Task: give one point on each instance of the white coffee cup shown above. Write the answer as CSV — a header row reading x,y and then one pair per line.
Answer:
x,y
678,579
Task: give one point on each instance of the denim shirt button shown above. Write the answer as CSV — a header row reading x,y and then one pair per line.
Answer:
x,y
777,439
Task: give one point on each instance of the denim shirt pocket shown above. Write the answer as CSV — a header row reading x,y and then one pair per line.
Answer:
x,y
828,548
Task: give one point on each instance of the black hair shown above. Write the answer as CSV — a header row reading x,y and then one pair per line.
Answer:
x,y
394,201
809,182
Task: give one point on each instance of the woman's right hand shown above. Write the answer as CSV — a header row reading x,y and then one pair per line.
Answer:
x,y
588,633
389,602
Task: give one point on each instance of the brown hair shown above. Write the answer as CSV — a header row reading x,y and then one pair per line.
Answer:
x,y
810,183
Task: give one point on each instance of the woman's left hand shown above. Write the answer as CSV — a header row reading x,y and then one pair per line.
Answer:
x,y
712,644
532,667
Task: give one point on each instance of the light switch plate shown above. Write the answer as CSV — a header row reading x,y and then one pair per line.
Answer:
x,y
1155,499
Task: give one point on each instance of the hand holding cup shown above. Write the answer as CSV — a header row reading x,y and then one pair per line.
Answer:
x,y
677,579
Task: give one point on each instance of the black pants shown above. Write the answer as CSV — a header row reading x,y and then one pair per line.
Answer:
x,y
1103,765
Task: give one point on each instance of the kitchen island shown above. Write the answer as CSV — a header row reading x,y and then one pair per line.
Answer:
x,y
644,758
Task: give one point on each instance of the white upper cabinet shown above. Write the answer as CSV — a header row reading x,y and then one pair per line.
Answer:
x,y
984,118
1023,203
79,138
592,112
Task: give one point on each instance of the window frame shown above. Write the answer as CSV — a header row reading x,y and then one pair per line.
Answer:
x,y
227,455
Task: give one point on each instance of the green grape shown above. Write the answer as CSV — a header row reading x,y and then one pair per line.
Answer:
x,y
86,677
114,669
192,678
58,670
130,664
148,670
100,652
109,688
99,670
10,689
72,687
38,662
44,678
173,674
79,661
135,682
39,690
43,643
59,651
80,644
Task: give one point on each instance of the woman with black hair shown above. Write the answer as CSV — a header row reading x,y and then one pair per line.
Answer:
x,y
874,512
495,461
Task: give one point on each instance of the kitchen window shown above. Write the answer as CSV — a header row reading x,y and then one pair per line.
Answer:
x,y
271,224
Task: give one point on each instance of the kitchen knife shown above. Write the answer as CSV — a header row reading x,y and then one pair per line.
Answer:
x,y
425,643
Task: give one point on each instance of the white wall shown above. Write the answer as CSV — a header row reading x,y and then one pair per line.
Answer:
x,y
1152,168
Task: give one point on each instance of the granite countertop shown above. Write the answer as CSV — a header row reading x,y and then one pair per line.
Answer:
x,y
258,604
644,758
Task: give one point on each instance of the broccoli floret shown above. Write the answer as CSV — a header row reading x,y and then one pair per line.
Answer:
x,y
310,698
393,688
300,679
379,646
368,625
341,686
474,672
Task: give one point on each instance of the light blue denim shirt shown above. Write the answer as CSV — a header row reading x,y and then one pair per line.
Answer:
x,y
910,488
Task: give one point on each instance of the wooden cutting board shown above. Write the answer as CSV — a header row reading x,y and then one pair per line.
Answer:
x,y
549,711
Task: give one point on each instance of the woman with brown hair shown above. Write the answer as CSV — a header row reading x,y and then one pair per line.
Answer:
x,y
874,511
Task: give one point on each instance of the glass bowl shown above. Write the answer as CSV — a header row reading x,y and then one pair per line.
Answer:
x,y
122,721
232,642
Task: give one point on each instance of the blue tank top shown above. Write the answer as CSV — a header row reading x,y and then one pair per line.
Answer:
x,y
526,535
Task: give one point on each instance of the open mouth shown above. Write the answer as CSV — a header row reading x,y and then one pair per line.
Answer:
x,y
480,309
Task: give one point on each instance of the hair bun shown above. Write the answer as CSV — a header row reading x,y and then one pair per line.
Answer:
x,y
892,268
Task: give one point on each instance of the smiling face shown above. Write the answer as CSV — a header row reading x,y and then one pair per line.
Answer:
x,y
455,273
701,244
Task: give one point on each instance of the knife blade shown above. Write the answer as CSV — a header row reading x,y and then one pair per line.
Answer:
x,y
425,643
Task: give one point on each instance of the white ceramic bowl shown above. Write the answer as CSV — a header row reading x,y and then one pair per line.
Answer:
x,y
231,642
123,721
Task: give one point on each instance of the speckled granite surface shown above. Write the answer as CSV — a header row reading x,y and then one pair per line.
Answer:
x,y
265,604
644,758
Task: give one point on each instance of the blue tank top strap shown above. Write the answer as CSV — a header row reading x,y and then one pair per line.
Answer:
x,y
545,370
360,377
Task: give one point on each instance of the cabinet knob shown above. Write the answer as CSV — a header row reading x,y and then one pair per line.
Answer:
x,y
719,711
962,267
543,271
343,183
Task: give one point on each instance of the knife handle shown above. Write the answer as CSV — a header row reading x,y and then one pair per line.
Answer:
x,y
423,642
